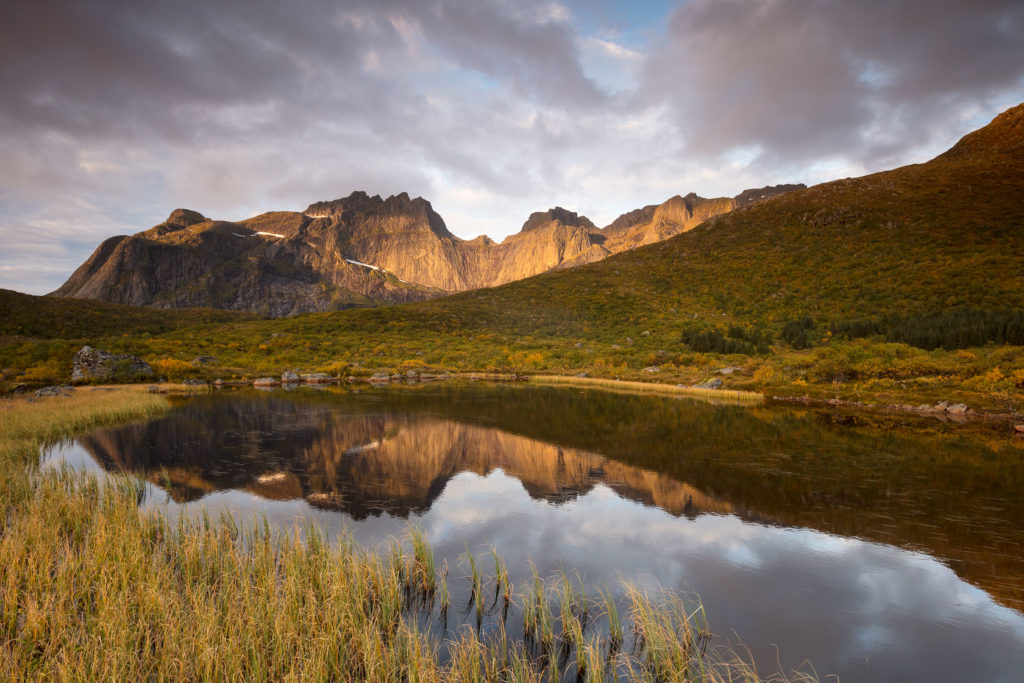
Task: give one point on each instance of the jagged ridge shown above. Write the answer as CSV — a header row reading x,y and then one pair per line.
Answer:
x,y
355,251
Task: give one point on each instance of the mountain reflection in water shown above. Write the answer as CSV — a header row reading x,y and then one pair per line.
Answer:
x,y
361,465
729,502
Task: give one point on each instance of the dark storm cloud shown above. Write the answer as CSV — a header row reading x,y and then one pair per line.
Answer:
x,y
803,79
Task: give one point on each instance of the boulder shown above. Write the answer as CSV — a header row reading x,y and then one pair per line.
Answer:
x,y
316,378
92,364
203,360
265,382
380,377
652,369
63,390
957,409
193,382
290,377
715,383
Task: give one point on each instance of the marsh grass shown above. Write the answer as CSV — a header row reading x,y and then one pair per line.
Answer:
x,y
92,589
716,395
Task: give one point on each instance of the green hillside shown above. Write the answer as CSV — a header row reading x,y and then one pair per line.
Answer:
x,y
50,317
914,275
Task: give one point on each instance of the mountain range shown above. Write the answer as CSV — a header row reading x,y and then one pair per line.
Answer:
x,y
359,250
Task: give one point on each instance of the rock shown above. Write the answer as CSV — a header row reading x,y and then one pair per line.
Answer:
x,y
1019,429
583,374
727,370
290,377
203,360
193,382
218,382
715,383
652,369
154,389
645,333
92,364
63,390
957,409
380,377
265,382
316,378
412,374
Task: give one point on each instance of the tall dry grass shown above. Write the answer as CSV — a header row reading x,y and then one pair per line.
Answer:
x,y
630,387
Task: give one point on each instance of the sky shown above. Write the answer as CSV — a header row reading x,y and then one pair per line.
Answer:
x,y
114,113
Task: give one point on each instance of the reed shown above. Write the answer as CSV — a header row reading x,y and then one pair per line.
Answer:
x,y
424,572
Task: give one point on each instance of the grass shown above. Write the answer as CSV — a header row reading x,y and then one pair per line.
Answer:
x,y
91,589
723,395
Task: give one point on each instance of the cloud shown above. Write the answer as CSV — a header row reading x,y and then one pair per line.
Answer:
x,y
802,80
114,114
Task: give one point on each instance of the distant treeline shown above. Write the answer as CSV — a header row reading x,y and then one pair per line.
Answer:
x,y
949,330
958,329
734,340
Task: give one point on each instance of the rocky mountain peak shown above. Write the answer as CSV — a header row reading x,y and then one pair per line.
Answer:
x,y
357,202
184,218
563,216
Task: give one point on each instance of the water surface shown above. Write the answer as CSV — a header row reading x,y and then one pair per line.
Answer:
x,y
877,551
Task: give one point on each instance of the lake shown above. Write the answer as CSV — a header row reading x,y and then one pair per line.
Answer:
x,y
877,547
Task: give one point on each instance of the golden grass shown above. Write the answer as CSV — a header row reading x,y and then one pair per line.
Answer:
x,y
90,589
629,387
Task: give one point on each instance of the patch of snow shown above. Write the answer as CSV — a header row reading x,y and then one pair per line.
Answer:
x,y
364,265
237,235
378,268
270,234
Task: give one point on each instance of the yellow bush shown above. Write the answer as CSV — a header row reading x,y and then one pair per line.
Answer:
x,y
49,372
171,367
766,374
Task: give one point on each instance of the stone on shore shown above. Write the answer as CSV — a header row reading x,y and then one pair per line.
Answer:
x,y
92,364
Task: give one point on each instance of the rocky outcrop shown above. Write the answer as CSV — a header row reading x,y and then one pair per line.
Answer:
x,y
748,197
359,250
97,365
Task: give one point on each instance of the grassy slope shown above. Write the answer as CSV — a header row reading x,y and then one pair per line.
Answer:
x,y
50,317
944,235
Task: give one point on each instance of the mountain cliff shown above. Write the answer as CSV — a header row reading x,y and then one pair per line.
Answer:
x,y
355,251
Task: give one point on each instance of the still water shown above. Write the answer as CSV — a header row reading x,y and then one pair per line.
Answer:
x,y
878,551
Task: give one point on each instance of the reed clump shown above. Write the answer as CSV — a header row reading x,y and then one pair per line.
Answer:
x,y
92,589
